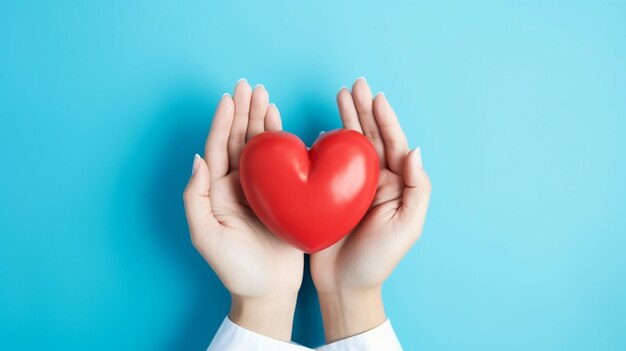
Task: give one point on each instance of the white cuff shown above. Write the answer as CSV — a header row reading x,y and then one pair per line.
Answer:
x,y
231,337
380,338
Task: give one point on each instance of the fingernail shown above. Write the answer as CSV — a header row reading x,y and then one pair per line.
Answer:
x,y
225,94
259,85
273,104
418,157
362,78
343,87
196,164
242,80
380,93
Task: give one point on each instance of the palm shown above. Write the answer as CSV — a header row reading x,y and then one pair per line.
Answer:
x,y
249,260
371,251
357,261
258,261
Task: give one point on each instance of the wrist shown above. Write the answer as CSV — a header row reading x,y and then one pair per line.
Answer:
x,y
349,312
271,315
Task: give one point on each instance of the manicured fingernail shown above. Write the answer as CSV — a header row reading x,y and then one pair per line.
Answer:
x,y
362,78
196,164
418,157
380,93
225,94
273,105
242,80
259,86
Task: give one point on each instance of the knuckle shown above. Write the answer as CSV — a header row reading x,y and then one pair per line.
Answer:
x,y
395,143
426,183
187,195
194,241
237,138
371,134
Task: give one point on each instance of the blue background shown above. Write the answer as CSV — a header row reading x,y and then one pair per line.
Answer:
x,y
519,107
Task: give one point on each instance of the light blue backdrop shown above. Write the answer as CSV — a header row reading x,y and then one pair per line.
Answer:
x,y
519,107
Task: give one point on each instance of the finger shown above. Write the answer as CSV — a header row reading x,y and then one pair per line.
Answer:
x,y
394,140
258,110
417,188
237,137
362,96
347,110
215,148
272,118
202,223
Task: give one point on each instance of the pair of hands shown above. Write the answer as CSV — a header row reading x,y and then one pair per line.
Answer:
x,y
264,274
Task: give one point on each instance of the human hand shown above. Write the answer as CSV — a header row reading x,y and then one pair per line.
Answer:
x,y
349,275
262,273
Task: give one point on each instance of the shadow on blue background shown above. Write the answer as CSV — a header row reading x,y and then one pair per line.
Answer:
x,y
164,198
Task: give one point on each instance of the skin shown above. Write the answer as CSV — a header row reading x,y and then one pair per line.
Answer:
x,y
262,273
349,275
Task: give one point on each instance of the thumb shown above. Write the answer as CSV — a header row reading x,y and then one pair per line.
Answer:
x,y
197,203
417,189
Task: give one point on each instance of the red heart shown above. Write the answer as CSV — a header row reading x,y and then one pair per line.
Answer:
x,y
310,199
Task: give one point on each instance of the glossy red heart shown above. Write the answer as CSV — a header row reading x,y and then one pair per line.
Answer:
x,y
309,198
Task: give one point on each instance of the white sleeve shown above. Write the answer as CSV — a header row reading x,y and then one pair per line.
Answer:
x,y
231,337
380,338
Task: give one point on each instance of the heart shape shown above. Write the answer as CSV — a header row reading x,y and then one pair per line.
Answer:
x,y
310,199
